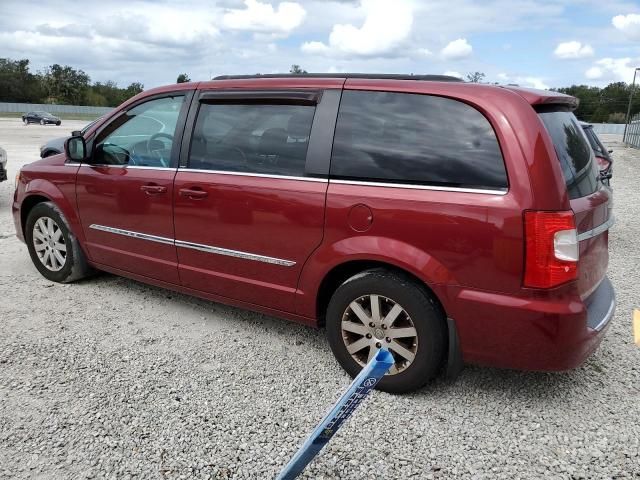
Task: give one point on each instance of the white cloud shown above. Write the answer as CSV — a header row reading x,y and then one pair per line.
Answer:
x,y
386,27
263,18
613,69
523,81
628,24
594,73
452,73
314,48
571,50
457,49
425,52
533,82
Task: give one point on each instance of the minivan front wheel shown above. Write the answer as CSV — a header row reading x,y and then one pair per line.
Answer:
x,y
54,250
383,309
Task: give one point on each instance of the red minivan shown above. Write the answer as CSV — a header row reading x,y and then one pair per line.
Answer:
x,y
448,222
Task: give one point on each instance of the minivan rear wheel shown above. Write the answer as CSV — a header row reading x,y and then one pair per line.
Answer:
x,y
379,308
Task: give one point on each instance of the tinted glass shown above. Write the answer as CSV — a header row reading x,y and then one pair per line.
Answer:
x,y
142,136
253,138
573,151
407,138
594,141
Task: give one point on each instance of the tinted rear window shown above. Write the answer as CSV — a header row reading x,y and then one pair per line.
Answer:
x,y
417,139
594,141
573,151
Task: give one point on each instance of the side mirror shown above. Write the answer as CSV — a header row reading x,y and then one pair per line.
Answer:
x,y
76,133
76,149
610,151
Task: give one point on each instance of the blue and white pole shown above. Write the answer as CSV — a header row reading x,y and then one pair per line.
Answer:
x,y
339,413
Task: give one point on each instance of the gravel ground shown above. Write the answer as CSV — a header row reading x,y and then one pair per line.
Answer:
x,y
110,378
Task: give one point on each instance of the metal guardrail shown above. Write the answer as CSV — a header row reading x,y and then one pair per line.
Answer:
x,y
632,137
608,128
7,107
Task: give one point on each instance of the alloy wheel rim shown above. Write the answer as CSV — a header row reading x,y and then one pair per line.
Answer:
x,y
49,244
374,321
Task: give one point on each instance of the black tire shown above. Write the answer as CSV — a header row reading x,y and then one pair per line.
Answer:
x,y
75,266
42,122
25,121
58,123
425,314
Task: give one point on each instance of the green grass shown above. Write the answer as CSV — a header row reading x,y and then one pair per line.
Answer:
x,y
62,116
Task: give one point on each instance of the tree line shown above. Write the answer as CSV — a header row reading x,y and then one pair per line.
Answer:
x,y
58,84
62,84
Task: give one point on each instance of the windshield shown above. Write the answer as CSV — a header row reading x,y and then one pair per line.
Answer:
x,y
573,151
89,125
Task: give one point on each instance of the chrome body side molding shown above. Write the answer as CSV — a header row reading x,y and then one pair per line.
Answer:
x,y
234,253
603,227
195,246
129,233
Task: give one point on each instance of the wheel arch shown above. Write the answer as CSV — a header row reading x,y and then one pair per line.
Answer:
x,y
28,204
40,190
343,271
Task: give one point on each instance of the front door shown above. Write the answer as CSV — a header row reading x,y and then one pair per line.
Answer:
x,y
248,213
125,191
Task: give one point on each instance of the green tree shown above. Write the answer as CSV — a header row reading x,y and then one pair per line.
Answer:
x,y
17,84
63,84
133,89
297,70
475,77
183,78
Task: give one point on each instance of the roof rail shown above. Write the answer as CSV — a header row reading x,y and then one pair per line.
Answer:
x,y
373,76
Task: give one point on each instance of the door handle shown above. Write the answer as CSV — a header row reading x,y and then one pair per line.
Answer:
x,y
153,189
193,193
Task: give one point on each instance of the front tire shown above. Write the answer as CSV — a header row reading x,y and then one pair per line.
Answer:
x,y
379,308
53,248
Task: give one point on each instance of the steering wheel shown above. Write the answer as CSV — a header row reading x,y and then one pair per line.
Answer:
x,y
156,152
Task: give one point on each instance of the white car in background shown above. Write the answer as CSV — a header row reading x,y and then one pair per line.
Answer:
x,y
3,164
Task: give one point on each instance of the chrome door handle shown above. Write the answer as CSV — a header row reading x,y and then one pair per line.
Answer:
x,y
153,189
193,193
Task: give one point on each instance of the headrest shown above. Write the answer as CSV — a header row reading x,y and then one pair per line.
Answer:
x,y
299,125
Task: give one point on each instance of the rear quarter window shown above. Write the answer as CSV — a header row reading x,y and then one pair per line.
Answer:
x,y
572,149
415,139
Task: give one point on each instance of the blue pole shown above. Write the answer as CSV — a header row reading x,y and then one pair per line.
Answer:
x,y
339,413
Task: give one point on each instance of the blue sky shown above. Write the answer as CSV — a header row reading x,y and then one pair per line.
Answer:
x,y
539,43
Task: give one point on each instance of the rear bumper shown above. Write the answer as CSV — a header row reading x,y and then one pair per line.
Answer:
x,y
534,333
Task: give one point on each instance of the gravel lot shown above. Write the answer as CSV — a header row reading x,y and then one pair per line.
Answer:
x,y
110,378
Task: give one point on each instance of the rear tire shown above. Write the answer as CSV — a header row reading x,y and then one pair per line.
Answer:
x,y
42,122
407,321
53,248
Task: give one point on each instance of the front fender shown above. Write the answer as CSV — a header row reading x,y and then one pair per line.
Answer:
x,y
366,248
59,191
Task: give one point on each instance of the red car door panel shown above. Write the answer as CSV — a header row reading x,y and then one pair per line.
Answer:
x,y
247,237
250,194
122,210
125,191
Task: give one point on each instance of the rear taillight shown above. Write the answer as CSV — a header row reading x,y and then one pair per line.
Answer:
x,y
603,164
551,249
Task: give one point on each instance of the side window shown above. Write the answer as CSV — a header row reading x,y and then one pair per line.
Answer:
x,y
253,138
142,136
416,139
